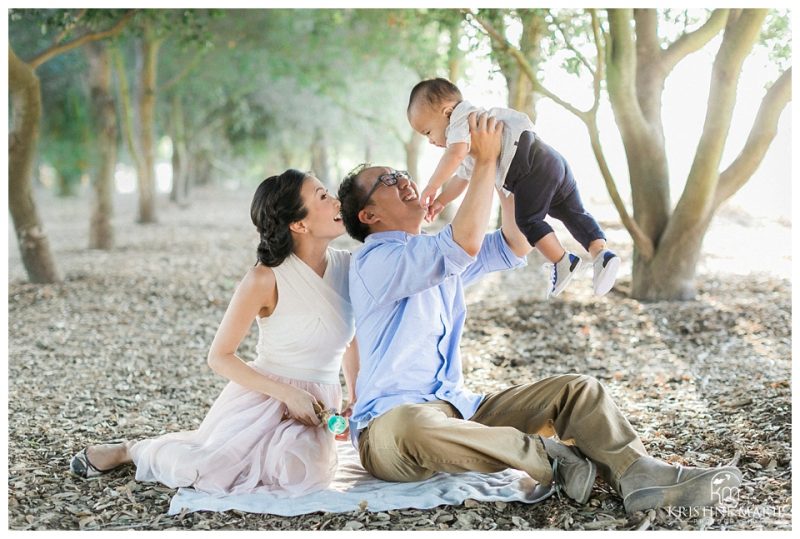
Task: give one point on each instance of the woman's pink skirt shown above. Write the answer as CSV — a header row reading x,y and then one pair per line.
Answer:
x,y
244,446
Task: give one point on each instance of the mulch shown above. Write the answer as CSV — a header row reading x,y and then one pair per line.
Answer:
x,y
118,351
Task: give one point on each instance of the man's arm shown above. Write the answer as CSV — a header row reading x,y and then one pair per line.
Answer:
x,y
514,237
469,224
392,271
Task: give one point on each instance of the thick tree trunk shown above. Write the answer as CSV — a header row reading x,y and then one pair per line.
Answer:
x,y
101,233
670,275
148,60
26,109
640,128
678,237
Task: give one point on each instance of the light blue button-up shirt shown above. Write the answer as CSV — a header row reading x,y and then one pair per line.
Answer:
x,y
407,293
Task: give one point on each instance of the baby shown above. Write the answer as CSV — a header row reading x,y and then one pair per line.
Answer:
x,y
537,175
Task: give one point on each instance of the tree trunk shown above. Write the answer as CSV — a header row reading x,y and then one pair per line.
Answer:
x,y
179,172
287,157
413,147
148,61
520,88
521,95
188,176
101,233
201,164
26,109
670,275
368,150
640,129
175,161
319,157
455,56
67,182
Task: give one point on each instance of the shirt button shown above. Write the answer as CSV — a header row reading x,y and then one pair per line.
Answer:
x,y
448,393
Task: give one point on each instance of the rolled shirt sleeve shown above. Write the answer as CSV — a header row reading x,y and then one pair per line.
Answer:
x,y
495,255
401,265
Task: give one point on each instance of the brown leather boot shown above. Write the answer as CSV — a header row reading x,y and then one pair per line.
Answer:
x,y
649,483
573,473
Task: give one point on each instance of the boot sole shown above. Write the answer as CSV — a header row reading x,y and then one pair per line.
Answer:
x,y
587,488
703,490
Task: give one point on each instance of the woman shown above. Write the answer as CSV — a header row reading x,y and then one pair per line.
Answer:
x,y
264,433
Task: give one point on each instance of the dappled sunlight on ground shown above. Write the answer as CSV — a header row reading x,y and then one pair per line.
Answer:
x,y
118,350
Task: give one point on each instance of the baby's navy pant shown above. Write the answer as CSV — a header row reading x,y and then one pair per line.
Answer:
x,y
543,184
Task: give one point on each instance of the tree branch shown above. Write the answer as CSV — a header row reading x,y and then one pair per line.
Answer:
x,y
739,39
367,118
125,107
187,68
53,51
647,44
601,60
621,69
764,129
696,40
525,66
640,239
69,27
575,51
696,203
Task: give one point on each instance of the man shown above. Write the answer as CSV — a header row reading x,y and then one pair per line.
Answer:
x,y
413,416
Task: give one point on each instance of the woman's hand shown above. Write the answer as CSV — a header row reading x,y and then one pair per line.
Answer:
x,y
347,412
302,406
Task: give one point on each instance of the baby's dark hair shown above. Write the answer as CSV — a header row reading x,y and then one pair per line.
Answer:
x,y
276,204
351,197
432,92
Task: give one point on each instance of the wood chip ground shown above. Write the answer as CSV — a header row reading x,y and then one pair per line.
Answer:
x,y
118,351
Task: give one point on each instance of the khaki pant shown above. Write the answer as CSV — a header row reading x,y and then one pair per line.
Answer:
x,y
413,441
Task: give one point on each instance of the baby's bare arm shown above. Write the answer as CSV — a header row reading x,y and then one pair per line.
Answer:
x,y
452,190
448,164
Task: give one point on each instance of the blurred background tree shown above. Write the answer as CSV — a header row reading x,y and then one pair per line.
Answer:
x,y
45,35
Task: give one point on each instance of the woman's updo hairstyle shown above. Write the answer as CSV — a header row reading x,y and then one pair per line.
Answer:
x,y
276,204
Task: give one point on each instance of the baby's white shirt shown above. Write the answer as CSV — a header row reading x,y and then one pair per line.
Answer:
x,y
515,123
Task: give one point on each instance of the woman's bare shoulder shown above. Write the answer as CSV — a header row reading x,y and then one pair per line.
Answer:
x,y
259,280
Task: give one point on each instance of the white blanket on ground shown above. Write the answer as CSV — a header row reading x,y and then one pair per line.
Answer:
x,y
353,485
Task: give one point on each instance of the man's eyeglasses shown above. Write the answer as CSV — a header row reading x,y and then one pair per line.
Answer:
x,y
389,179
